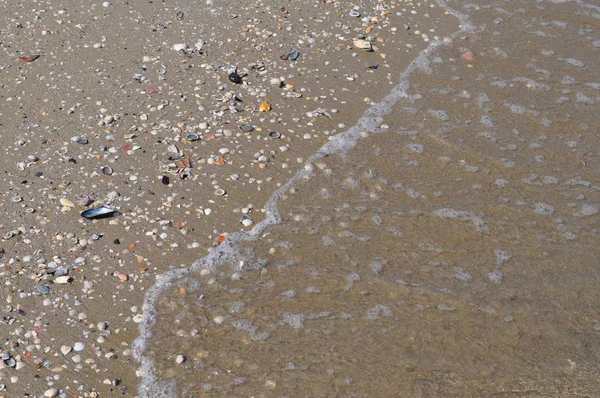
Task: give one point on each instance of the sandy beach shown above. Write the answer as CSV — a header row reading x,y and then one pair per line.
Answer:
x,y
315,199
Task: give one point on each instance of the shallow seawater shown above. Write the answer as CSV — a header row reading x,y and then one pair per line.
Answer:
x,y
452,252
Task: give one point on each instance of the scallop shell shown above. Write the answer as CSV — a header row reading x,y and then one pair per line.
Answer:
x,y
264,107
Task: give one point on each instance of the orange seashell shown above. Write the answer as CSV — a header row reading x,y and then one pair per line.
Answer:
x,y
123,277
143,269
264,107
30,58
221,238
262,165
140,258
468,56
181,224
132,246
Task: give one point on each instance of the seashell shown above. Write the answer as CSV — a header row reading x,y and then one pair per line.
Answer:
x,y
264,107
16,199
10,362
30,58
294,55
107,170
61,271
192,137
42,289
220,192
185,173
293,94
179,47
354,13
274,134
235,78
66,202
246,128
364,44
100,212
246,221
61,280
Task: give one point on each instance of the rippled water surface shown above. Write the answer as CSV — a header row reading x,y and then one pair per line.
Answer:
x,y
451,252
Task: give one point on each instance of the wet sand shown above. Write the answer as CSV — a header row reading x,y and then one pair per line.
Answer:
x,y
450,252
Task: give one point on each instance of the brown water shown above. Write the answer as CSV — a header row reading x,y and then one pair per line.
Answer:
x,y
452,252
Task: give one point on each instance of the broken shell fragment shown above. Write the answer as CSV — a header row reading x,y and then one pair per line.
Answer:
x,y
99,213
364,44
30,58
235,78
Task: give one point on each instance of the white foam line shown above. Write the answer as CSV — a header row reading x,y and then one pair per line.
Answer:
x,y
153,387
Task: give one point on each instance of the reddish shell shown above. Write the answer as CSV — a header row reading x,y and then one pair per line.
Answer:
x,y
30,58
468,56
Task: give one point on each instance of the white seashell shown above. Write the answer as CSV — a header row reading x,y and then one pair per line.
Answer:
x,y
66,202
364,44
61,280
51,392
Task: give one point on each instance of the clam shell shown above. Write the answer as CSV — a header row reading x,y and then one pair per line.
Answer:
x,y
192,137
61,280
10,362
220,192
66,202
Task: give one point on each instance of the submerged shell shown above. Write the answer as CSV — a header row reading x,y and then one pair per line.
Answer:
x,y
99,212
